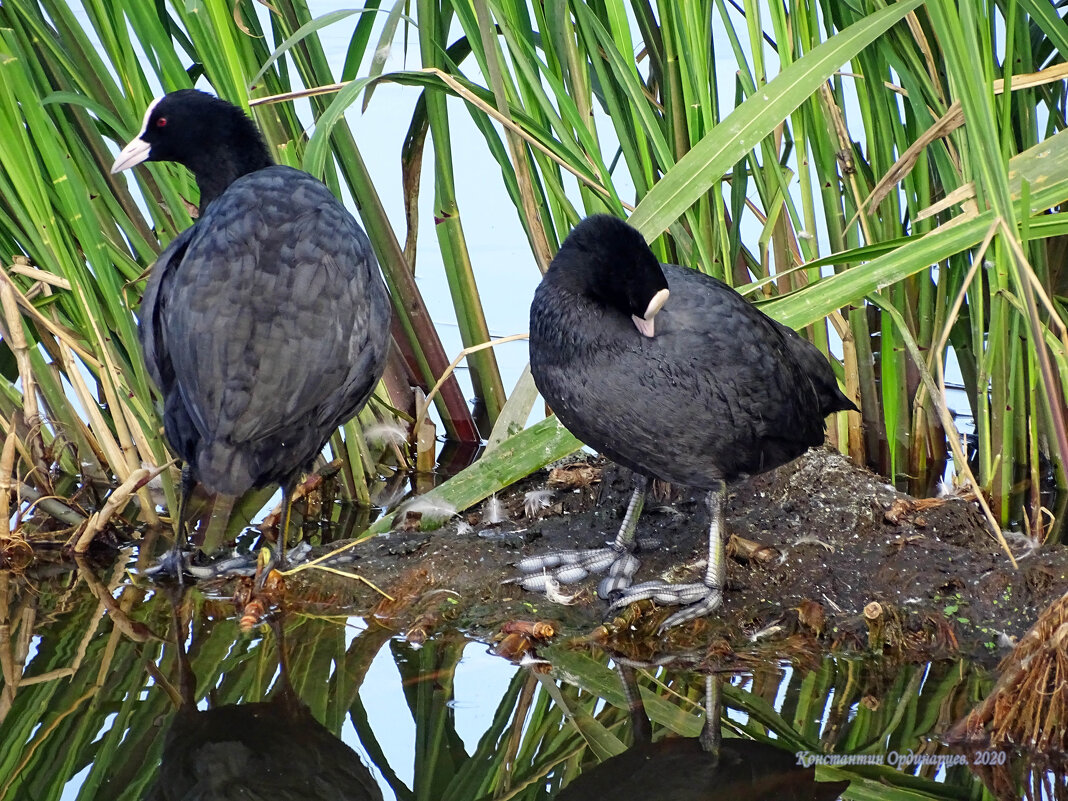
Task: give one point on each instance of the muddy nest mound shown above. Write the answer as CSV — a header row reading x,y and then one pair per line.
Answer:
x,y
819,548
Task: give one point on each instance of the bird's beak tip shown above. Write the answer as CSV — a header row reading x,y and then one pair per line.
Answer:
x,y
134,153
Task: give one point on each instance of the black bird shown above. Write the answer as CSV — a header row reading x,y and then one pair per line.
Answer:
x,y
705,768
273,749
697,390
265,325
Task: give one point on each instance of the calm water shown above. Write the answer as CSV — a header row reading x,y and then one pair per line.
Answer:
x,y
114,703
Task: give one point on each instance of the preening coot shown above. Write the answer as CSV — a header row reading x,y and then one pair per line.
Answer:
x,y
698,390
265,325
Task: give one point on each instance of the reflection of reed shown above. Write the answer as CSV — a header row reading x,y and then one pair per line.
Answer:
x,y
1029,777
1028,710
20,618
696,768
1028,706
272,749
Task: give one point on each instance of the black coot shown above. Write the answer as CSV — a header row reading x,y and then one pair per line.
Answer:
x,y
697,390
265,325
705,768
272,749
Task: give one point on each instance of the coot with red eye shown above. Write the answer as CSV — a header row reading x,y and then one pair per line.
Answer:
x,y
265,325
672,374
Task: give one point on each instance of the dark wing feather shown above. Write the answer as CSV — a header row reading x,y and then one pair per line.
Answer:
x,y
718,392
153,345
276,324
181,431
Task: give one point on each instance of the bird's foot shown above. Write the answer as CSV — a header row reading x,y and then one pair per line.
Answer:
x,y
568,567
180,566
172,566
699,599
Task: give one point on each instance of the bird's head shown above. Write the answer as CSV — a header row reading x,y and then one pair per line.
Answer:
x,y
609,261
215,139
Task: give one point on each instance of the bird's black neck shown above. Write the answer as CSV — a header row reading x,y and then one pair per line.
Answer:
x,y
216,170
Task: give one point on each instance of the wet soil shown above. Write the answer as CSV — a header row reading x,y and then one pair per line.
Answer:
x,y
829,554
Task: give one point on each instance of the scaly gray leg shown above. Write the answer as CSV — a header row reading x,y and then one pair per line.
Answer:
x,y
700,599
568,567
278,552
711,732
173,564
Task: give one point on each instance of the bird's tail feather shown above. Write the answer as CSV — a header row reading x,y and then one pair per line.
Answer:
x,y
224,468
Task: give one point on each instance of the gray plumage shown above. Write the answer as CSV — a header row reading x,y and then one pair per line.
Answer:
x,y
266,324
273,750
264,327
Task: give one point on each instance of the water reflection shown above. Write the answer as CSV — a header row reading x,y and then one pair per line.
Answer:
x,y
269,749
107,694
696,768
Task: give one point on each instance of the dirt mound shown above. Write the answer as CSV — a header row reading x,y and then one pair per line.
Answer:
x,y
820,548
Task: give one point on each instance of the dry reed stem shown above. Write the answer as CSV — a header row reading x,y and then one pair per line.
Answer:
x,y
469,97
937,392
1028,706
117,455
61,333
912,19
24,268
114,504
421,407
346,574
7,481
539,242
121,622
121,454
945,125
16,341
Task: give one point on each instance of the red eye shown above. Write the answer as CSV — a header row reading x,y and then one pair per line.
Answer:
x,y
161,122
